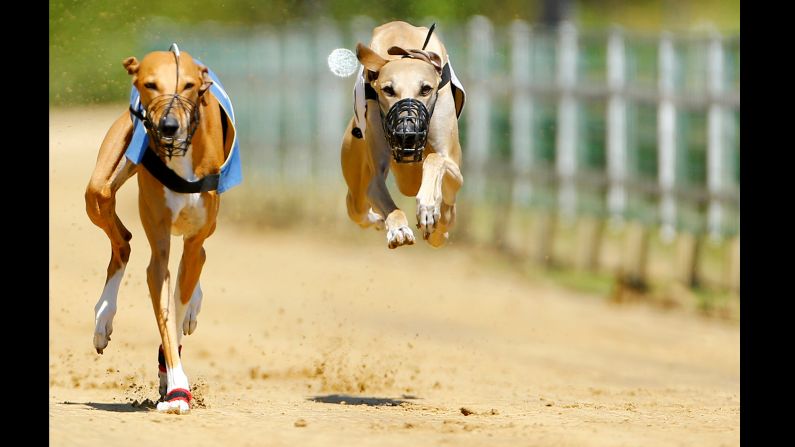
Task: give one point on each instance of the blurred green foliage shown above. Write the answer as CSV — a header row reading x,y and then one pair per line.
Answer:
x,y
89,38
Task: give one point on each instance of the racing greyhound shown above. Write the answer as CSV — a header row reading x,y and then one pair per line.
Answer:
x,y
179,137
407,101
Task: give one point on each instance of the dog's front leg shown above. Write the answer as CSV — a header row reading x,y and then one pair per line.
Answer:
x,y
441,175
111,171
156,220
397,225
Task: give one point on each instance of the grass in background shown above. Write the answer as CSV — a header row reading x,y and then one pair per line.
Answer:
x,y
90,38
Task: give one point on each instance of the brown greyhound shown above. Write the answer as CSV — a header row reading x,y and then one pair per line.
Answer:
x,y
175,78
409,124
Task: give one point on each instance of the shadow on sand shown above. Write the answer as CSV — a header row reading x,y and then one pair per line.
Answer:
x,y
359,400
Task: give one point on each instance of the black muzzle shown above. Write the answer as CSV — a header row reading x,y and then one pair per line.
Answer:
x,y
406,129
172,110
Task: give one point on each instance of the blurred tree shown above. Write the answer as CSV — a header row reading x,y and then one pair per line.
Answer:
x,y
89,38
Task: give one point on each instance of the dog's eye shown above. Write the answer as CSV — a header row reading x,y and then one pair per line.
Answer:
x,y
188,86
151,86
426,90
388,90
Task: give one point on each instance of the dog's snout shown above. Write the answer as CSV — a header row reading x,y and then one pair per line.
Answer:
x,y
409,139
407,131
408,125
169,126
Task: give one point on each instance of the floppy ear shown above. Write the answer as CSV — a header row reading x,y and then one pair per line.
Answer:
x,y
397,51
206,83
435,60
131,65
369,58
427,56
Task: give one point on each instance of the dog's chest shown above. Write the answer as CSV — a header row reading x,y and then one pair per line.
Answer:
x,y
188,214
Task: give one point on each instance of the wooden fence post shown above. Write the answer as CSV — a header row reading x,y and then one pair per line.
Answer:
x,y
616,126
479,219
716,147
266,58
334,109
543,244
688,253
636,251
566,138
521,136
589,241
666,138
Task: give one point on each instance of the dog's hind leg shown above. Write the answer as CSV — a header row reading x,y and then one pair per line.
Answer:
x,y
187,306
189,322
188,313
110,173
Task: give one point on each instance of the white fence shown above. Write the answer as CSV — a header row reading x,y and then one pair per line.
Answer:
x,y
610,124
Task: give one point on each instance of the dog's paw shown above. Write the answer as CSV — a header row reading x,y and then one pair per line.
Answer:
x,y
438,238
375,219
104,312
428,216
192,312
176,407
400,236
177,401
398,231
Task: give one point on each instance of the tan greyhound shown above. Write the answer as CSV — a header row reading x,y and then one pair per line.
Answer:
x,y
163,76
409,125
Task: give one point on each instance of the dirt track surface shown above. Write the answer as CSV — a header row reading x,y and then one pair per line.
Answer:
x,y
305,339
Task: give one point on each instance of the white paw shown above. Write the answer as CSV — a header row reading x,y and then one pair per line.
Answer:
x,y
104,312
401,235
192,312
175,406
375,219
428,215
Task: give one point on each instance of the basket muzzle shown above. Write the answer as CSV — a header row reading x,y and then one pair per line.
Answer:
x,y
406,129
171,121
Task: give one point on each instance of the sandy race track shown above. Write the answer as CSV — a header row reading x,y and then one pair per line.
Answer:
x,y
306,339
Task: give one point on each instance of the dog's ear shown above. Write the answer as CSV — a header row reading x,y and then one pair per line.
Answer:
x,y
435,60
397,51
206,80
427,56
206,83
369,58
131,65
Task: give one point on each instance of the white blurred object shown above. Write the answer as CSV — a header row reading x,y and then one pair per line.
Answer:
x,y
342,62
